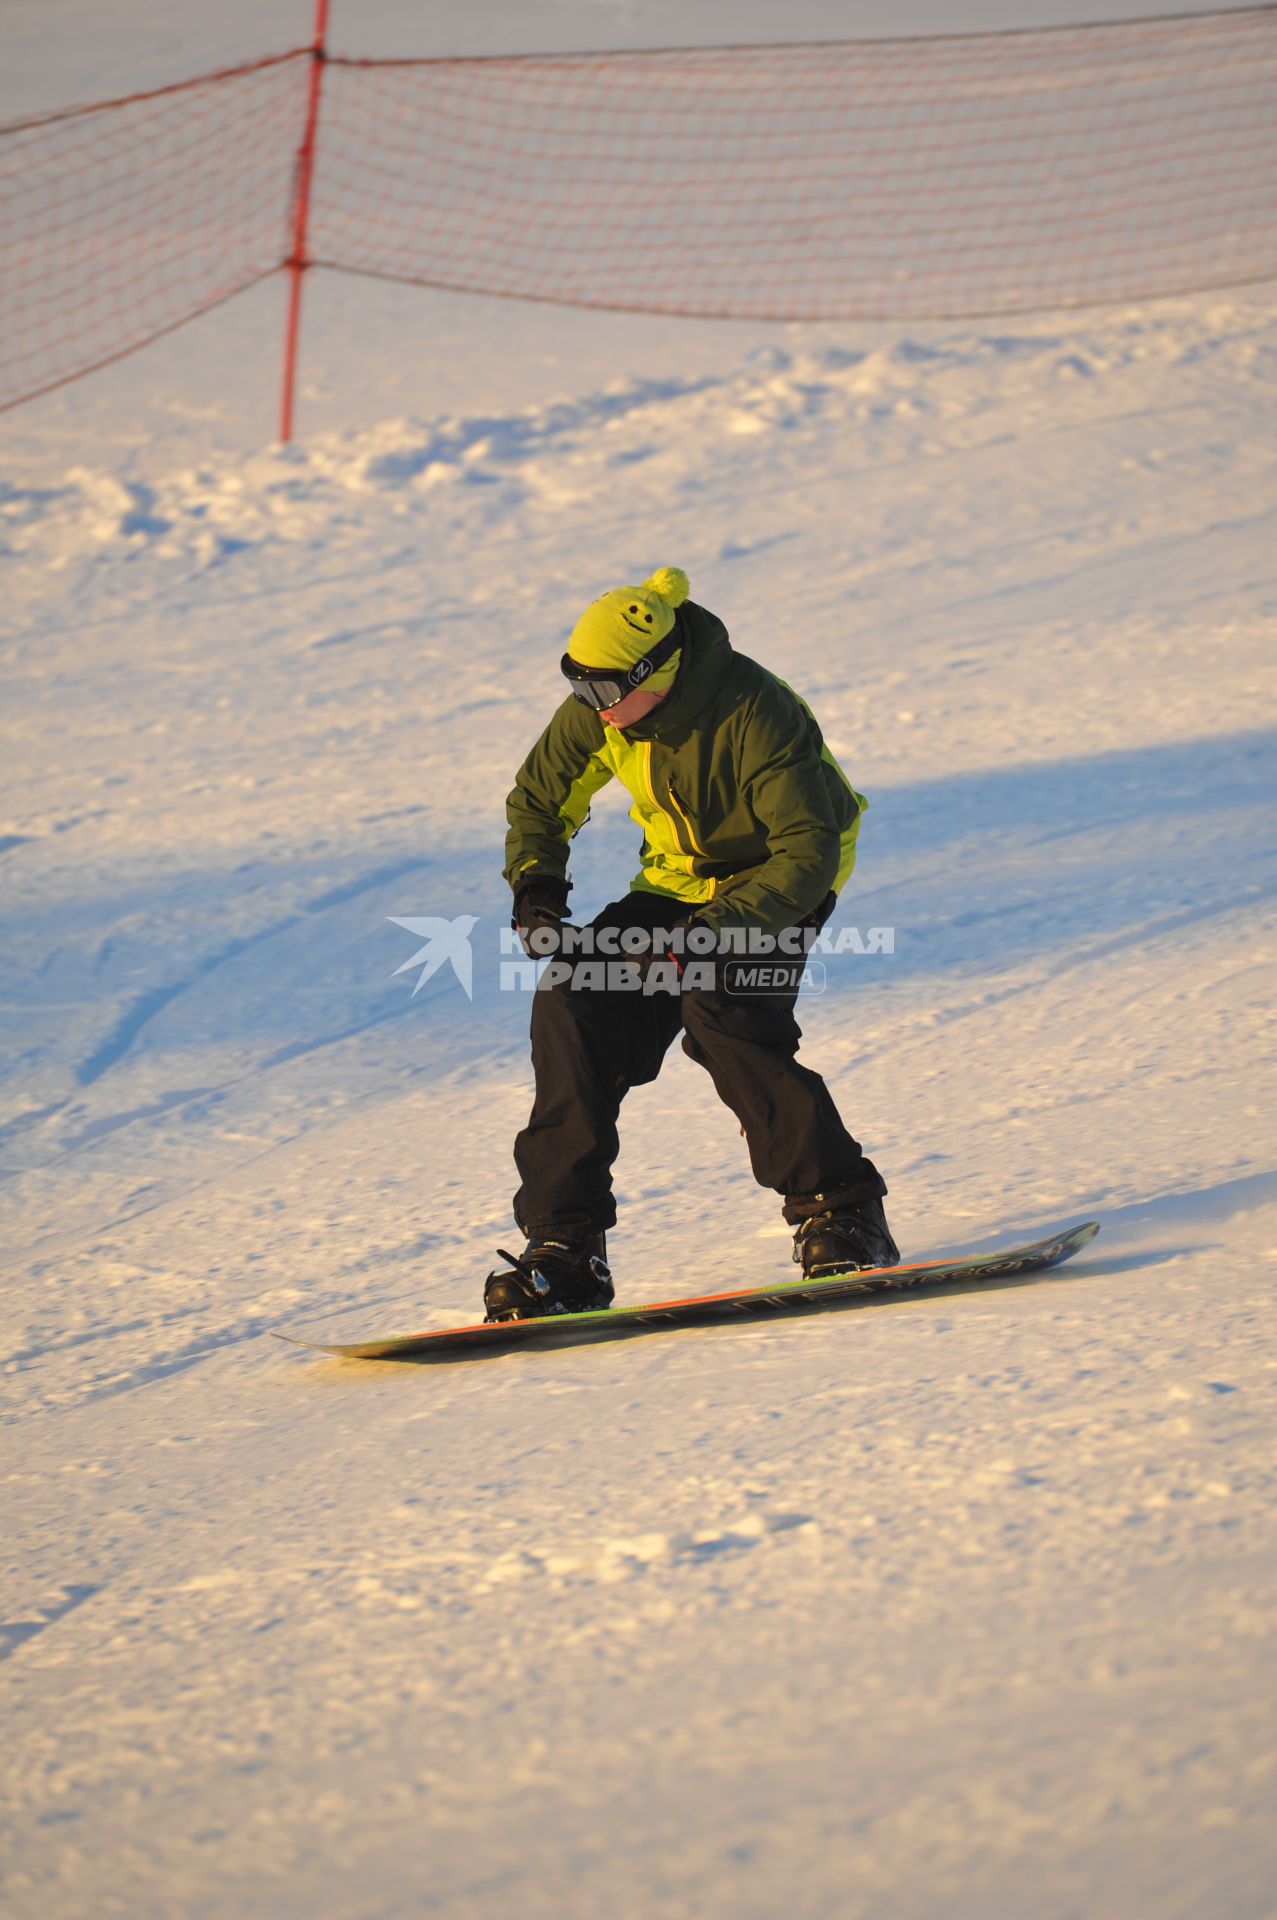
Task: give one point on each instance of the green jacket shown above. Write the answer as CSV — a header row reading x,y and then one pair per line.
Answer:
x,y
746,815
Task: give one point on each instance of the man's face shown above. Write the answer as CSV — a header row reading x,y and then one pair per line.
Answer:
x,y
635,706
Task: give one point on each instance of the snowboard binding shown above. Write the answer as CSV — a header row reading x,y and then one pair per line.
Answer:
x,y
847,1237
550,1276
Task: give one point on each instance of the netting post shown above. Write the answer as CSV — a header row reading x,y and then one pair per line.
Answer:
x,y
297,262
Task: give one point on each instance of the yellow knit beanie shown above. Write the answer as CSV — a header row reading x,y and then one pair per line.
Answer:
x,y
621,626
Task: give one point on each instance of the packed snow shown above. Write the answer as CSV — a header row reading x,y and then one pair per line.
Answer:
x,y
931,1609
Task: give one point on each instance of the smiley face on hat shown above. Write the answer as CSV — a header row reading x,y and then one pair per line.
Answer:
x,y
620,626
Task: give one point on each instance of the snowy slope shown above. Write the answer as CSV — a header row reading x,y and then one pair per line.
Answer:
x,y
927,1611
942,1608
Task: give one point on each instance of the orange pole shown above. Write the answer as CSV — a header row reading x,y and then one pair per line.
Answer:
x,y
297,261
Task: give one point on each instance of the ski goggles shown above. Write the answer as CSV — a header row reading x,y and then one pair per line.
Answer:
x,y
604,687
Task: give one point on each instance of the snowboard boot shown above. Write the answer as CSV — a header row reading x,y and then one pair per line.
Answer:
x,y
551,1275
843,1237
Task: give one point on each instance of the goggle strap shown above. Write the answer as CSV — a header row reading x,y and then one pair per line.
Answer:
x,y
646,665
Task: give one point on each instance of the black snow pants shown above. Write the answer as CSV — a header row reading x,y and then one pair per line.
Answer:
x,y
590,1047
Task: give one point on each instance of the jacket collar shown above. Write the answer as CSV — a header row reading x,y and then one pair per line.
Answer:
x,y
702,665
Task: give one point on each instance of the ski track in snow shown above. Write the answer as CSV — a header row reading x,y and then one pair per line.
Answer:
x,y
938,1608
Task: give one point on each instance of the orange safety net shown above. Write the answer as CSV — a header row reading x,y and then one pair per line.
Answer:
x,y
919,179
120,222
897,179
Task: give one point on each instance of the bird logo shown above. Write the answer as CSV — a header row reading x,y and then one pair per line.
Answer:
x,y
446,940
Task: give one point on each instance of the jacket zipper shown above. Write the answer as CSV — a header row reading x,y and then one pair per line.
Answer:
x,y
693,843
651,789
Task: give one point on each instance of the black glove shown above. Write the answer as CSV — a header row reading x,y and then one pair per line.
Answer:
x,y
540,908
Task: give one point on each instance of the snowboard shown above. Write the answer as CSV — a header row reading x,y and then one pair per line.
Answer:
x,y
567,1329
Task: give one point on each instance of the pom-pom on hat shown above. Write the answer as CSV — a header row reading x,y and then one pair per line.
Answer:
x,y
619,627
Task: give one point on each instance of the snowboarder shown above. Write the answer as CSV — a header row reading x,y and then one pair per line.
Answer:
x,y
749,834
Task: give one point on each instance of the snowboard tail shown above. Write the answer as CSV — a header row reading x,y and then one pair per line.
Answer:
x,y
566,1329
